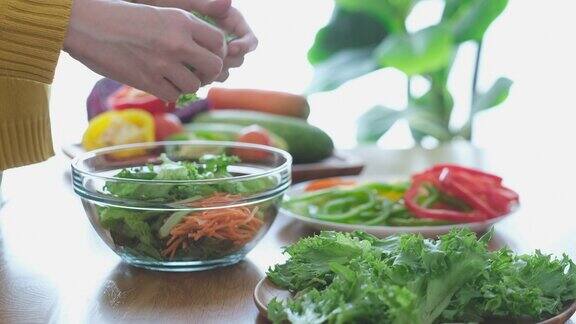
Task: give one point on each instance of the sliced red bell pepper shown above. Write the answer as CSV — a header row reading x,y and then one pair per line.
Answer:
x,y
437,213
464,191
128,97
466,170
483,192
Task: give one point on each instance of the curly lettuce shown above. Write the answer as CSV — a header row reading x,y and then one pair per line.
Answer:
x,y
358,278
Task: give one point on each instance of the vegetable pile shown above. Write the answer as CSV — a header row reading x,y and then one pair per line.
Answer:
x,y
358,278
198,234
256,116
444,194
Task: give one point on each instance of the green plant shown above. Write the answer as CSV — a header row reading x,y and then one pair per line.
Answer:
x,y
364,36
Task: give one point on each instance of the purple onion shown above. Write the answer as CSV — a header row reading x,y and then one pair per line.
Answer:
x,y
189,111
97,101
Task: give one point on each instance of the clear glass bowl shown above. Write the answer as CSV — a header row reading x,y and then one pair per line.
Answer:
x,y
181,225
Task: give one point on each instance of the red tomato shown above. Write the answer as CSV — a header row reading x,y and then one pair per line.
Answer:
x,y
255,135
167,125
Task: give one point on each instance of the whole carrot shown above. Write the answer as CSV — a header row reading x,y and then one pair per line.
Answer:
x,y
272,102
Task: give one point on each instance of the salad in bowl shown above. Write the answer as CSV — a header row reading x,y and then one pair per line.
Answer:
x,y
182,206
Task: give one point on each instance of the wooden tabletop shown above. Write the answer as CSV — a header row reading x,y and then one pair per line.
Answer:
x,y
54,268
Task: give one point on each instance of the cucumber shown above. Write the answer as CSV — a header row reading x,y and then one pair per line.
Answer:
x,y
214,132
306,143
224,132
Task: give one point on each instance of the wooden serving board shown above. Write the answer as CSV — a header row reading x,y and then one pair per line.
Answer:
x,y
339,164
265,291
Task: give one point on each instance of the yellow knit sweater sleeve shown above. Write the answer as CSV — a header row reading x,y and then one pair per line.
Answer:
x,y
31,36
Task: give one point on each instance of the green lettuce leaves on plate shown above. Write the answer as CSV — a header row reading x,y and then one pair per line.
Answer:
x,y
358,278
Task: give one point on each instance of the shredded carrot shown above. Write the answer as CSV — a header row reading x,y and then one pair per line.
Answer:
x,y
236,224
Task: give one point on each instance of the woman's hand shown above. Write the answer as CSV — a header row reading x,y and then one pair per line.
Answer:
x,y
163,51
226,17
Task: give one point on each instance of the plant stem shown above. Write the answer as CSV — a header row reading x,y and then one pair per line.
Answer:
x,y
408,103
409,90
468,135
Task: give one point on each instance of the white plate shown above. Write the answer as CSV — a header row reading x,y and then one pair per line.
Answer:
x,y
382,231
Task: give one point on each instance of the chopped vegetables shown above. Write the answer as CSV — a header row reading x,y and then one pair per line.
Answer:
x,y
445,194
119,127
211,227
127,97
479,196
237,225
367,204
358,278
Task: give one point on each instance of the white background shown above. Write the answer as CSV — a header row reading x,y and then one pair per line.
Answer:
x,y
532,43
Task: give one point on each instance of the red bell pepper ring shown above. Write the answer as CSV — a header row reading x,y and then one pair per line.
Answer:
x,y
462,169
462,190
504,199
481,191
437,213
128,97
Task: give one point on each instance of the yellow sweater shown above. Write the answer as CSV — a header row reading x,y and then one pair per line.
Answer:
x,y
31,36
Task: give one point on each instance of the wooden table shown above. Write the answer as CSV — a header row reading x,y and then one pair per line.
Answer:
x,y
53,267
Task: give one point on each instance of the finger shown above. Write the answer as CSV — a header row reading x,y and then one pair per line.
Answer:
x,y
217,8
223,76
233,61
205,64
183,78
236,25
243,45
209,37
164,89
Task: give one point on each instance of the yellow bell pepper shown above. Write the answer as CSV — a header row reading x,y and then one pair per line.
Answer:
x,y
119,127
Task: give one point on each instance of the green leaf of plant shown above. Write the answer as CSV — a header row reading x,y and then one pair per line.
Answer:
x,y
392,13
494,96
376,122
341,67
455,8
425,51
437,100
484,101
428,123
346,30
475,20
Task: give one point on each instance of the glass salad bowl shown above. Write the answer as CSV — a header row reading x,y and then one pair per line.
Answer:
x,y
182,206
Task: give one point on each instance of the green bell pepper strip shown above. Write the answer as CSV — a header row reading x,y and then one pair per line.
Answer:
x,y
347,215
416,222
